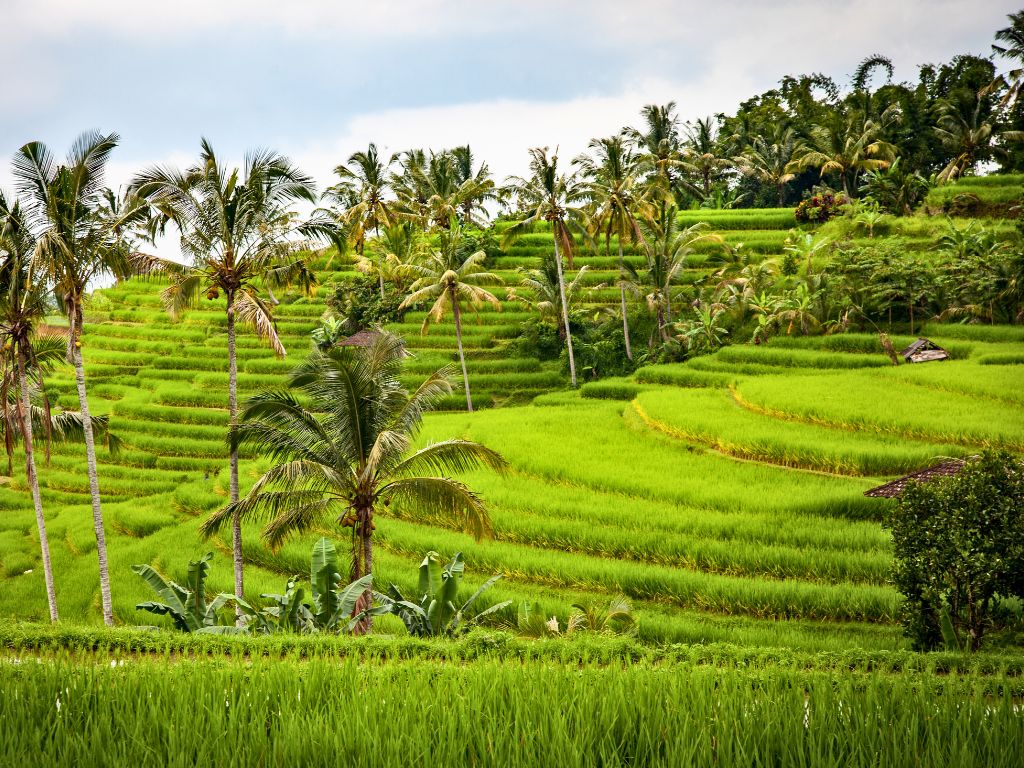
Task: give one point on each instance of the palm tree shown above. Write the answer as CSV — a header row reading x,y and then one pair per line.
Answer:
x,y
78,238
767,160
546,296
443,188
703,155
846,148
613,185
448,276
557,199
340,440
659,141
239,233
667,248
969,140
804,246
22,307
361,195
1012,48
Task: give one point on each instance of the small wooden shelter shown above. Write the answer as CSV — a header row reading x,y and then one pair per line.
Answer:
x,y
895,488
924,351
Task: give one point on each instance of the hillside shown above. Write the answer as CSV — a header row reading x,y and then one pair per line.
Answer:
x,y
723,496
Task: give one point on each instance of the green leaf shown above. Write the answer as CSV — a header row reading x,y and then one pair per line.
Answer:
x,y
170,593
430,574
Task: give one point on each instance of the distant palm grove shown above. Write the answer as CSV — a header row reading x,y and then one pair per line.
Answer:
x,y
635,399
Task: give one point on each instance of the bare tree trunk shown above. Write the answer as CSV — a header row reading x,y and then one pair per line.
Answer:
x,y
458,340
565,315
236,522
380,280
782,198
25,417
74,342
622,296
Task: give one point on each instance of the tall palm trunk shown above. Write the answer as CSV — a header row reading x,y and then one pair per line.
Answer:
x,y
622,296
74,342
236,522
458,340
25,419
565,314
366,531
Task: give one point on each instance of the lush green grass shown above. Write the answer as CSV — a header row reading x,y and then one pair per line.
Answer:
x,y
495,712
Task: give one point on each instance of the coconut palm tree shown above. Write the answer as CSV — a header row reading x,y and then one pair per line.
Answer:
x,y
340,440
969,140
1011,47
659,141
557,199
767,160
447,277
546,297
240,235
361,195
614,186
703,155
437,190
846,148
22,307
79,237
666,249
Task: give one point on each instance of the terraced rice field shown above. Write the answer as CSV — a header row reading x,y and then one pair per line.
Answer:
x,y
722,496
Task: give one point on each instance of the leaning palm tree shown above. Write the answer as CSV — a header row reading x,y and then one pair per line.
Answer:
x,y
969,140
614,186
558,200
341,441
79,237
448,276
240,235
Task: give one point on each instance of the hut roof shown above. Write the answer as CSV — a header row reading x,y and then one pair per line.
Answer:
x,y
896,487
364,338
923,350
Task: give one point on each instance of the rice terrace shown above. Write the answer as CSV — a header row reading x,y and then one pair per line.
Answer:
x,y
700,444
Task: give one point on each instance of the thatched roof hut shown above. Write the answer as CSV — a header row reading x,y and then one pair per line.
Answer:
x,y
924,351
895,488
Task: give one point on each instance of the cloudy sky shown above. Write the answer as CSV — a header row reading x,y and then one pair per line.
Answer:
x,y
319,79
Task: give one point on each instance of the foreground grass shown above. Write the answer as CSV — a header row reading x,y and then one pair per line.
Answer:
x,y
96,697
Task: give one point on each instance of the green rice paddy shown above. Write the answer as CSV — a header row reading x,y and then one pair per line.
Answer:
x,y
723,497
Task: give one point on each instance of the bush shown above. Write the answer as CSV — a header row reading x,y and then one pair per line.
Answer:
x,y
958,543
361,304
820,207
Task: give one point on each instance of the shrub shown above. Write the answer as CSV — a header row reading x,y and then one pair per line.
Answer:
x,y
820,207
958,543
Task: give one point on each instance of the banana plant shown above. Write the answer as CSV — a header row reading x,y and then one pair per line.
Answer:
x,y
436,613
187,605
333,606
